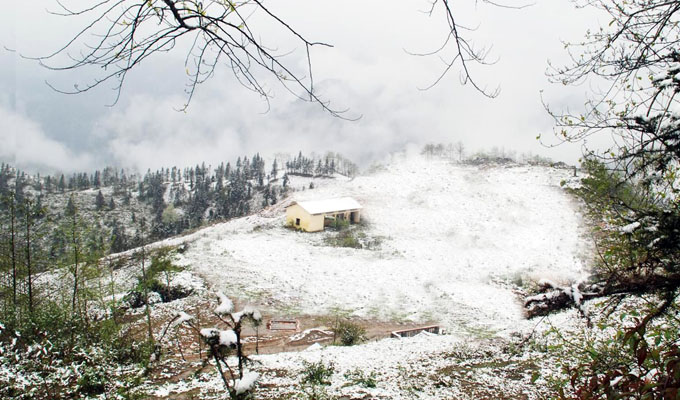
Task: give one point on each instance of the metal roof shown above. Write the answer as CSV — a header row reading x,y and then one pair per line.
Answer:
x,y
328,205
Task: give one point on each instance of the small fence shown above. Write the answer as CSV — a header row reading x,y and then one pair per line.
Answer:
x,y
432,329
283,325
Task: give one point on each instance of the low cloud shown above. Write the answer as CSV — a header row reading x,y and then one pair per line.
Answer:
x,y
28,147
367,71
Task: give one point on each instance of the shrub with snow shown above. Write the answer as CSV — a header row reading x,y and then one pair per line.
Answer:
x,y
223,342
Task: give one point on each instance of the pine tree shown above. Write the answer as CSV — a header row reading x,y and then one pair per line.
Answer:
x,y
96,180
99,201
119,241
319,168
275,169
70,207
48,184
272,196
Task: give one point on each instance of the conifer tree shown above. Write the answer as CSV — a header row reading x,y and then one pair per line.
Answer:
x,y
99,201
70,207
275,169
119,240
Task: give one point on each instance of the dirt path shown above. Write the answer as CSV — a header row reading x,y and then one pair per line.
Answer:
x,y
183,353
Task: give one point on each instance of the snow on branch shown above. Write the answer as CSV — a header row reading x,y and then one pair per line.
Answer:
x,y
181,318
225,307
221,343
247,383
214,336
247,311
628,229
556,297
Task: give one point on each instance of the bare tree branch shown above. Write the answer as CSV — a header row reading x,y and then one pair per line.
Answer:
x,y
127,32
121,34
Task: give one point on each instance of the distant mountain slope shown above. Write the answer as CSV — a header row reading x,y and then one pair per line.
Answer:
x,y
118,210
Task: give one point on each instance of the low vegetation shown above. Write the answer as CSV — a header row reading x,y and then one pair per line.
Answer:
x,y
340,233
317,373
349,333
360,378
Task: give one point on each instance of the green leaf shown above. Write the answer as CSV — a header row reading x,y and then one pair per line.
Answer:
x,y
534,376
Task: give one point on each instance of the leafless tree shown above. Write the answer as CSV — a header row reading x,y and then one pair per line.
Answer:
x,y
121,34
460,150
464,51
635,61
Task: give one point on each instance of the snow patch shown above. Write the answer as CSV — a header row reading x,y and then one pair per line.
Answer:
x,y
247,383
629,228
228,338
182,317
226,305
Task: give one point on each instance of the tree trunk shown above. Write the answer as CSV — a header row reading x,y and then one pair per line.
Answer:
x,y
74,238
28,257
239,349
555,298
13,254
146,297
113,293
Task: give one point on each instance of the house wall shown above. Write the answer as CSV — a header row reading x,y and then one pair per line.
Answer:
x,y
293,212
309,223
314,224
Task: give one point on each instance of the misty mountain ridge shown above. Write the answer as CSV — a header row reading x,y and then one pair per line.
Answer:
x,y
126,210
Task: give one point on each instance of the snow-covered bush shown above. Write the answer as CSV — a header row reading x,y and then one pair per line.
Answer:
x,y
55,355
154,298
344,238
223,343
338,224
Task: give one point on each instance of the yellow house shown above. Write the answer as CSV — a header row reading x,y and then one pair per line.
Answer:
x,y
314,215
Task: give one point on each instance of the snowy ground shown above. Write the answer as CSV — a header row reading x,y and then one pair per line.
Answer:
x,y
456,241
453,240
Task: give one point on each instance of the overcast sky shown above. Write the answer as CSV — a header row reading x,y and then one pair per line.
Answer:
x,y
368,71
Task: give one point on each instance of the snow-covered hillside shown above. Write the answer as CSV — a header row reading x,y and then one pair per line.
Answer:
x,y
457,242
453,240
